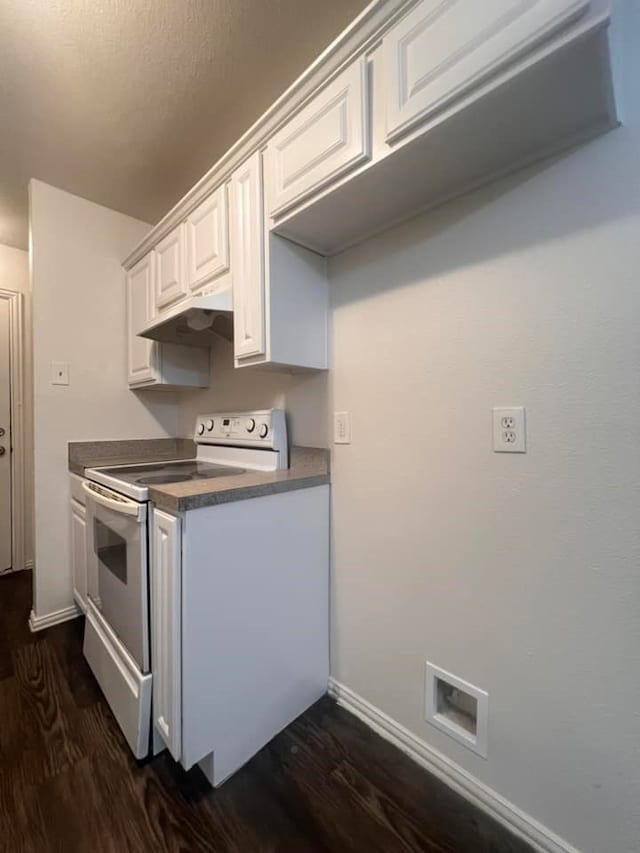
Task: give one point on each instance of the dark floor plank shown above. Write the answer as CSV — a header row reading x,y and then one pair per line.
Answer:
x,y
253,796
22,828
50,726
89,807
409,835
325,790
445,815
15,606
327,784
66,640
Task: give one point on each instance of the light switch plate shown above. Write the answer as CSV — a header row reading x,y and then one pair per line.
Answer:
x,y
342,428
509,430
59,373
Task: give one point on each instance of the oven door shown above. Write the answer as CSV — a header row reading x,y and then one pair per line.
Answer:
x,y
117,567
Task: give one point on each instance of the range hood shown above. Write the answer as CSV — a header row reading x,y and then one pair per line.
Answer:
x,y
194,321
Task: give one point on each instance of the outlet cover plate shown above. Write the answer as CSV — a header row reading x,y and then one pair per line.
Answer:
x,y
509,430
59,373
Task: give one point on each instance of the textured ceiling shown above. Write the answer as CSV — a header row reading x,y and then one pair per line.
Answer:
x,y
129,102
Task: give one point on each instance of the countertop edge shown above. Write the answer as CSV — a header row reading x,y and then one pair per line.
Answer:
x,y
239,493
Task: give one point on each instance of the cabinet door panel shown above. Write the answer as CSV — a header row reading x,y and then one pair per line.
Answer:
x,y
143,355
170,285
327,138
166,571
79,552
208,240
443,48
247,258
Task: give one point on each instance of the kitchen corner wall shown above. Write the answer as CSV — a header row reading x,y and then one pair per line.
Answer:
x,y
519,573
14,275
78,317
302,394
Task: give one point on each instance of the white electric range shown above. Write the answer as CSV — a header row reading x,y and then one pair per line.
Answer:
x,y
226,445
117,635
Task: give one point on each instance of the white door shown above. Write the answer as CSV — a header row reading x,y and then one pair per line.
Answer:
x,y
5,440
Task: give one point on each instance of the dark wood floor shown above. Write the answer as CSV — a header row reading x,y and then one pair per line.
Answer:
x,y
327,783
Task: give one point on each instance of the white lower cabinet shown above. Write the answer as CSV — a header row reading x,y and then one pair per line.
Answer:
x,y
78,542
239,625
166,637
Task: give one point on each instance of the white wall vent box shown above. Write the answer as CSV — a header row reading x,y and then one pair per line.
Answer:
x,y
457,708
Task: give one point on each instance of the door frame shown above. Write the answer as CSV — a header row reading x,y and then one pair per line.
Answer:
x,y
16,425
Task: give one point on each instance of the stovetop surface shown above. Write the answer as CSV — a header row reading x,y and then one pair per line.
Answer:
x,y
163,473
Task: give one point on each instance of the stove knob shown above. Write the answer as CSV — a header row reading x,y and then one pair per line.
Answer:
x,y
264,431
200,429
210,424
250,424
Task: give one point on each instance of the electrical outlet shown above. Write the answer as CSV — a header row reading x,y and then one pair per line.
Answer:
x,y
341,428
509,430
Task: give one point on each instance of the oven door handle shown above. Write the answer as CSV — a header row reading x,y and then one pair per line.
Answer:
x,y
117,504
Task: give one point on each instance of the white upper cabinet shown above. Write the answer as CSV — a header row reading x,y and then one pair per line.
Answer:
x,y
327,138
207,238
170,280
247,258
142,353
280,294
413,105
152,364
443,48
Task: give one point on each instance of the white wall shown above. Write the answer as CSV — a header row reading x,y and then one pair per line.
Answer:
x,y
518,573
78,317
14,275
302,395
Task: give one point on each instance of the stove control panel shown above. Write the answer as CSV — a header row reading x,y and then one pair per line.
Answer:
x,y
266,428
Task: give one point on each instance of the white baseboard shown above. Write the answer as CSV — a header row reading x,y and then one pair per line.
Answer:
x,y
39,623
27,567
510,816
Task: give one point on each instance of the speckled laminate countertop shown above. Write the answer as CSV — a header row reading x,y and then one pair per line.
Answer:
x,y
308,466
99,454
